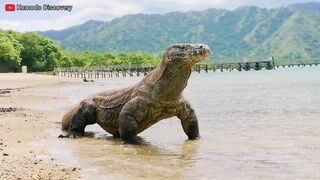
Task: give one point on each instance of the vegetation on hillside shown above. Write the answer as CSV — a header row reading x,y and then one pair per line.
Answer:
x,y
289,34
10,50
37,52
40,53
88,59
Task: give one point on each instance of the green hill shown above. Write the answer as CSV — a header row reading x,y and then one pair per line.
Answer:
x,y
288,34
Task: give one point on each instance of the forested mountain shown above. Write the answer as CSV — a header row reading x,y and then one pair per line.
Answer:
x,y
289,34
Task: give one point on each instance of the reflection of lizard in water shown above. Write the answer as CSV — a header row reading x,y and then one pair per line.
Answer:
x,y
150,161
127,112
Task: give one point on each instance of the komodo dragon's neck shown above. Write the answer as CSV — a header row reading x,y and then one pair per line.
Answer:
x,y
166,83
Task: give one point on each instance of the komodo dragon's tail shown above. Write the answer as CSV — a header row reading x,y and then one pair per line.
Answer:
x,y
66,119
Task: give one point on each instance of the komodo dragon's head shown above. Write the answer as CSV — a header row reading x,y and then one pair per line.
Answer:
x,y
171,76
186,54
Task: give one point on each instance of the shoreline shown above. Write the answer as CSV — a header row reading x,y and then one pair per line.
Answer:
x,y
23,122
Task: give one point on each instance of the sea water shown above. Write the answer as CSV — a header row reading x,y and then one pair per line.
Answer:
x,y
253,125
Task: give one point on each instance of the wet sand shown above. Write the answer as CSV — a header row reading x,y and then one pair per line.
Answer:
x,y
27,123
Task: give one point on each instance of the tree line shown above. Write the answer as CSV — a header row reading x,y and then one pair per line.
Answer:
x,y
39,53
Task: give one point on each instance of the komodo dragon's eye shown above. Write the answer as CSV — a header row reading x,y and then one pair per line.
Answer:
x,y
183,46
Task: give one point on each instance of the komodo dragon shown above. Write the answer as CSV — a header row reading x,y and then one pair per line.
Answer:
x,y
127,112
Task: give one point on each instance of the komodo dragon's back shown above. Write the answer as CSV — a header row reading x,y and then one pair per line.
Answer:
x,y
110,99
104,100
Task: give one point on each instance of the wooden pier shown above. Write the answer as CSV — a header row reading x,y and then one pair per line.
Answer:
x,y
142,70
239,66
105,72
298,65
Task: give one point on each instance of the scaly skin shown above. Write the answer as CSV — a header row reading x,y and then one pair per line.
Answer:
x,y
127,112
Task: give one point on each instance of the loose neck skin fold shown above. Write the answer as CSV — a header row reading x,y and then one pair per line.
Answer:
x,y
172,83
168,80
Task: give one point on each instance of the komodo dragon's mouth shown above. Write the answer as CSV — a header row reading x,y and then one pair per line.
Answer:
x,y
199,53
190,53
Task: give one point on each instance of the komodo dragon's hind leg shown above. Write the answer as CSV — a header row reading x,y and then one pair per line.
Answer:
x,y
85,115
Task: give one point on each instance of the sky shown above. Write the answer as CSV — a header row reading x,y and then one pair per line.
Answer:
x,y
106,10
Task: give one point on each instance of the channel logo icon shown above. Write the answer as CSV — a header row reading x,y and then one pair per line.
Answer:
x,y
10,7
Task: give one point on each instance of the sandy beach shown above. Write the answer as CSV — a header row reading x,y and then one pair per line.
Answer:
x,y
23,122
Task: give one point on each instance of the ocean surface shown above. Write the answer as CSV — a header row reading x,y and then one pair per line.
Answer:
x,y
254,125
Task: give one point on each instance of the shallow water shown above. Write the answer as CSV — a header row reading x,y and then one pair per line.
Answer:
x,y
254,125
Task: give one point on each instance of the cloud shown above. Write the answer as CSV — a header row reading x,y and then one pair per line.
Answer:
x,y
84,10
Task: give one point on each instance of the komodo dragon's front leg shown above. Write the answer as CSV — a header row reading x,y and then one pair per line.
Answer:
x,y
189,121
131,113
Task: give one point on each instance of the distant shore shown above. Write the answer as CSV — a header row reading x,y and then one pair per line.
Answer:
x,y
22,123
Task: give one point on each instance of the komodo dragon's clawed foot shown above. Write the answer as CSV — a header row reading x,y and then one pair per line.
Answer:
x,y
72,135
132,142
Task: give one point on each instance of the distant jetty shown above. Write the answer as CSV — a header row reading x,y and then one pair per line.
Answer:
x,y
144,69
